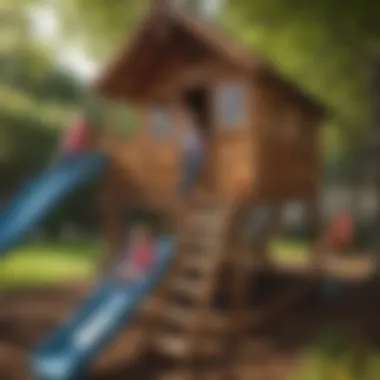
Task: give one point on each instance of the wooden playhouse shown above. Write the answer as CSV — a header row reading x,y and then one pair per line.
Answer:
x,y
262,149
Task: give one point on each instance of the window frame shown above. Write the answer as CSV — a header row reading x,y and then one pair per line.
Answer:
x,y
231,94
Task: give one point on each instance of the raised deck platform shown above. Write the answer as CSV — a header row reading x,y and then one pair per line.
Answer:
x,y
345,268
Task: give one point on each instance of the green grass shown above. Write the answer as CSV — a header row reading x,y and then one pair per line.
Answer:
x,y
334,356
285,250
46,263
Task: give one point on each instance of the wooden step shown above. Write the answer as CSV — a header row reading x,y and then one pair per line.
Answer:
x,y
210,224
171,345
208,210
197,247
202,242
200,230
179,316
205,260
205,256
202,218
201,264
188,287
208,218
177,346
185,318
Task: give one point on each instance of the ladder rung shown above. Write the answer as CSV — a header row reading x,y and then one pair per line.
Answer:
x,y
199,243
204,259
206,211
202,239
188,287
200,264
177,315
210,219
177,346
185,317
199,222
174,346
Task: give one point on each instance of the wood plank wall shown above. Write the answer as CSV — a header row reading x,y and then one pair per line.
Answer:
x,y
289,162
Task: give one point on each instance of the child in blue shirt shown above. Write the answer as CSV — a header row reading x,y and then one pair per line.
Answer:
x,y
192,143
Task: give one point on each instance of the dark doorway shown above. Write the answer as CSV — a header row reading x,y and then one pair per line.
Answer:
x,y
198,101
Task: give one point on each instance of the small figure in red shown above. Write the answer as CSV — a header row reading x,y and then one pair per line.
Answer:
x,y
139,256
338,237
76,141
340,233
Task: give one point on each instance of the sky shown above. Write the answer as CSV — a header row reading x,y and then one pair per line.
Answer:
x,y
46,28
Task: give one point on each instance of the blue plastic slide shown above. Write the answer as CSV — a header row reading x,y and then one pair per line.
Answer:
x,y
34,202
66,355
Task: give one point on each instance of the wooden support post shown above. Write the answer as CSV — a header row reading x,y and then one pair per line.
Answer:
x,y
239,298
314,221
111,210
260,242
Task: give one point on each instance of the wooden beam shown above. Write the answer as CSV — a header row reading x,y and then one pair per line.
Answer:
x,y
111,210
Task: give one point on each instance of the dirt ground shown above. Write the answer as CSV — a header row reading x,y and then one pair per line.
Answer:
x,y
273,352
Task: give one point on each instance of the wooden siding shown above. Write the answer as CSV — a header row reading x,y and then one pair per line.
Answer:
x,y
288,159
234,147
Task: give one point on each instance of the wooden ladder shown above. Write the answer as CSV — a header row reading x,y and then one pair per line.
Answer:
x,y
186,308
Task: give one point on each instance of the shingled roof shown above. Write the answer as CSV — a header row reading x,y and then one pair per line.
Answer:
x,y
147,44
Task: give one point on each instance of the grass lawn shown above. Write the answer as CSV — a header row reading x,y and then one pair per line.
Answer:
x,y
335,356
45,263
284,250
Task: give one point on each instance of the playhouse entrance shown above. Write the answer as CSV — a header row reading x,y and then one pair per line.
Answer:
x,y
198,101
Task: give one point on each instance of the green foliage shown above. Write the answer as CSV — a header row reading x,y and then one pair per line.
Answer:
x,y
46,263
121,118
97,25
116,116
36,99
308,52
94,106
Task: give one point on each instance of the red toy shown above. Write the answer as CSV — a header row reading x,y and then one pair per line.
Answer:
x,y
140,256
340,232
76,140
